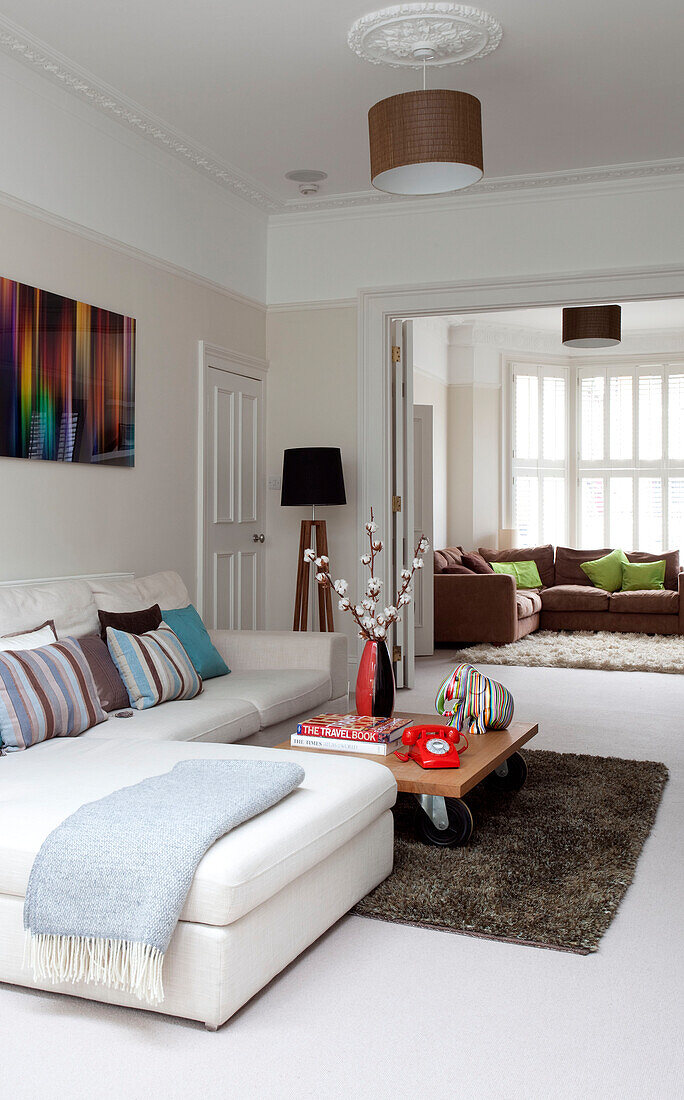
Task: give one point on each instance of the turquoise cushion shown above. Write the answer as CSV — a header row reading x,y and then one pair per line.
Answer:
x,y
187,624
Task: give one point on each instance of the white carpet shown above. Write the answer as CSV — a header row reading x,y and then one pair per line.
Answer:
x,y
397,1013
583,649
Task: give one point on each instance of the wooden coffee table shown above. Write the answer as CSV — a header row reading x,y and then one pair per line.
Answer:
x,y
442,817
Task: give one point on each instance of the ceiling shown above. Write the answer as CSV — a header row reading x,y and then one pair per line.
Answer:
x,y
268,86
637,317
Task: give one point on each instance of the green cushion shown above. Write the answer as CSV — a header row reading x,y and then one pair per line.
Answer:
x,y
606,572
525,572
643,576
187,625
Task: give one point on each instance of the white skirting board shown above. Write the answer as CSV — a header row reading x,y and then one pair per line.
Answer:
x,y
209,971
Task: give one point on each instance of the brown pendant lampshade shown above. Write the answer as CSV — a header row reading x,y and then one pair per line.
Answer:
x,y
426,142
592,326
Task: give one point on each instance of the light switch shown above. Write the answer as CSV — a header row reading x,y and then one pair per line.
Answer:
x,y
275,482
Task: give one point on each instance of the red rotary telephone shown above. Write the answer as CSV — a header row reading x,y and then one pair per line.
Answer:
x,y
433,746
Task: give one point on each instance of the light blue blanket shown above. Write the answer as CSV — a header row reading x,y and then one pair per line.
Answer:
x,y
109,884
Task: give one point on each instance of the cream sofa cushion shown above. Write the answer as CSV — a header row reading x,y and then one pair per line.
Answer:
x,y
69,604
339,797
167,589
276,693
229,708
207,717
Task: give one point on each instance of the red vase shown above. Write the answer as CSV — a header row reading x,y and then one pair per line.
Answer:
x,y
375,681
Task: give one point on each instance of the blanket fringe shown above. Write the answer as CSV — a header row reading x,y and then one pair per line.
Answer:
x,y
119,964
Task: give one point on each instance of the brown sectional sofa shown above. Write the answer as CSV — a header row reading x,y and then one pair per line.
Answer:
x,y
486,607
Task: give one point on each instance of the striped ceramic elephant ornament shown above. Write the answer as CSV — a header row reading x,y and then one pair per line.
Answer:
x,y
471,702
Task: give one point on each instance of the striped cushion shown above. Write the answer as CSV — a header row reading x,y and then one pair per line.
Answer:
x,y
154,666
46,692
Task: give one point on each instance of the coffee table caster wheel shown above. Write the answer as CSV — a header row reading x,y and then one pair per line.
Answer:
x,y
511,775
459,828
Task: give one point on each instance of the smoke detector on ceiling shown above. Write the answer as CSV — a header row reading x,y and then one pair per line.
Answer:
x,y
307,178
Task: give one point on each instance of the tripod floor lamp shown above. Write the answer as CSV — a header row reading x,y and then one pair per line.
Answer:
x,y
312,477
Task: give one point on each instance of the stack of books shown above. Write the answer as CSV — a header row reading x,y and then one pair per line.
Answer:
x,y
350,733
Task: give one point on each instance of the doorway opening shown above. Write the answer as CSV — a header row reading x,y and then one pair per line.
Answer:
x,y
472,367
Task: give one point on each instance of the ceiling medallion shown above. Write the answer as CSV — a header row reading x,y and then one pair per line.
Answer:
x,y
454,33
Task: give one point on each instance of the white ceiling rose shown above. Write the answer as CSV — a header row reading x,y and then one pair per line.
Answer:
x,y
454,33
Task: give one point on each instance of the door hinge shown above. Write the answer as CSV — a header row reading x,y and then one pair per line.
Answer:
x,y
396,354
396,504
396,653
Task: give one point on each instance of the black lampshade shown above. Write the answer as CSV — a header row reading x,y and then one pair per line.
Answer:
x,y
312,476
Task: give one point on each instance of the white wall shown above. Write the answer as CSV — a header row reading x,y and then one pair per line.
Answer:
x,y
311,402
61,519
91,210
63,156
596,227
430,375
463,387
428,390
320,258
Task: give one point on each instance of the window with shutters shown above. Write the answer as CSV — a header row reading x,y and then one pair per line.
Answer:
x,y
539,498
597,454
630,464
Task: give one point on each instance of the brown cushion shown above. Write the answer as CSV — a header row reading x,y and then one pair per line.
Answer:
x,y
671,559
528,602
439,561
451,555
110,687
574,597
542,555
133,622
568,564
662,602
459,570
477,563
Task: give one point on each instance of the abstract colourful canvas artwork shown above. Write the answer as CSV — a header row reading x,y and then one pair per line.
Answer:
x,y
67,379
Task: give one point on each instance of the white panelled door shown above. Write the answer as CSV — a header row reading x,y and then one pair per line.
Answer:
x,y
232,497
424,611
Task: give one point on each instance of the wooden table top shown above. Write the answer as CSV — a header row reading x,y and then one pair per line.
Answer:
x,y
484,753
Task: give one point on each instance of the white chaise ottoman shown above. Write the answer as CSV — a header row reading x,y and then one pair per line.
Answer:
x,y
260,895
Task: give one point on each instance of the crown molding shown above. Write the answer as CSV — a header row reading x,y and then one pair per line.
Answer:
x,y
503,337
65,73
56,220
550,185
24,47
524,339
651,342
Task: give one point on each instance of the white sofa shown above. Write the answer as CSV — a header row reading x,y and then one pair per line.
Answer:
x,y
276,676
263,892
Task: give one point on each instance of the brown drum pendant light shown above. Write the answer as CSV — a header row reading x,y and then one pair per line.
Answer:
x,y
426,142
592,326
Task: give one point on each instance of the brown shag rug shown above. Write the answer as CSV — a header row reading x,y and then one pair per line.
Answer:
x,y
584,649
547,866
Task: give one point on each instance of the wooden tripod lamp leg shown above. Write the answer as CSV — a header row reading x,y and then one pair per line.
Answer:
x,y
325,609
301,608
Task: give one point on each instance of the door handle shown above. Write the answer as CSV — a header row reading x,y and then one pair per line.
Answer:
x,y
258,538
